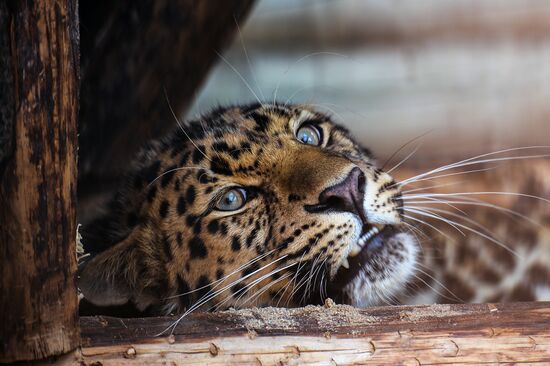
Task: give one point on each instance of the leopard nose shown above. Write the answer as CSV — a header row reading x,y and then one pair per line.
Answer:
x,y
347,195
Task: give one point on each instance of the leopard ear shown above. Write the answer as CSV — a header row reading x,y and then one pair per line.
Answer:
x,y
109,278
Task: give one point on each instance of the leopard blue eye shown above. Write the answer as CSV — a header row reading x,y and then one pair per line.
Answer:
x,y
309,135
232,200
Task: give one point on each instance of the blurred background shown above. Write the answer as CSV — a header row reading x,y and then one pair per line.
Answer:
x,y
476,73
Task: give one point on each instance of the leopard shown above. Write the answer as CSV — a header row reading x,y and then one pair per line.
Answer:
x,y
278,205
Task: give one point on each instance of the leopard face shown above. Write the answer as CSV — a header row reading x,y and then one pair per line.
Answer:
x,y
250,205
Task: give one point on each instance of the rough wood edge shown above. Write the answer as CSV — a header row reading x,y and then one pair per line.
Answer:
x,y
39,305
333,335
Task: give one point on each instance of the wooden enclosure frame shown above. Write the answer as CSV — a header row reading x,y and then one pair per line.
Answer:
x,y
39,101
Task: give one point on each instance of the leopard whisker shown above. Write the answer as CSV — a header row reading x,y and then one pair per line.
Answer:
x,y
323,286
311,278
322,271
431,187
181,126
174,170
468,220
473,160
305,57
437,281
446,202
216,282
300,283
425,212
248,59
240,77
300,266
434,289
411,229
454,194
202,301
476,224
328,108
249,286
448,175
511,158
298,286
414,229
210,295
260,279
298,91
346,108
400,148
266,287
427,224
386,297
499,243
404,159
474,202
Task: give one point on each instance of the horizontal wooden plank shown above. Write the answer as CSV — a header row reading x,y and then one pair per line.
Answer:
x,y
329,335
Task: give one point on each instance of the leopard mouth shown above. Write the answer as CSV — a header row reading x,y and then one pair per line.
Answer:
x,y
361,255
368,233
372,237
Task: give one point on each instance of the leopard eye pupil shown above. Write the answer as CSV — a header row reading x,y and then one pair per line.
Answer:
x,y
308,135
232,200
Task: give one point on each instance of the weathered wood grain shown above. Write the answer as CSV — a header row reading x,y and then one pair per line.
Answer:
x,y
145,49
38,302
335,335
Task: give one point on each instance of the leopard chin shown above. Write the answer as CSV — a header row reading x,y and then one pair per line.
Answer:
x,y
378,268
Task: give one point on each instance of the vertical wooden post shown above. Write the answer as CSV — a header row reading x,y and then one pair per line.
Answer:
x,y
39,66
143,49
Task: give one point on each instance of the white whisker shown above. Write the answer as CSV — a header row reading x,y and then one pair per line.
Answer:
x,y
425,212
432,187
448,175
427,224
404,146
300,60
482,235
210,295
470,161
514,194
240,76
248,59
404,160
181,126
252,261
175,170
473,202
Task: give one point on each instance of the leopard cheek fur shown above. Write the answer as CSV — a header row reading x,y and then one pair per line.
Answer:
x,y
164,246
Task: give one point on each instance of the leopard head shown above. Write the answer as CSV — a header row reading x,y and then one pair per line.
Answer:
x,y
250,205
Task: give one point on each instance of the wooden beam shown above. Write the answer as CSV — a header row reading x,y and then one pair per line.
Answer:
x,y
329,335
38,106
145,49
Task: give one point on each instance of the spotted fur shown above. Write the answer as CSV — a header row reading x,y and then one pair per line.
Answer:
x,y
162,244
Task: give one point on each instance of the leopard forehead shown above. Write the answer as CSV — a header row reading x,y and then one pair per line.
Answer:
x,y
189,247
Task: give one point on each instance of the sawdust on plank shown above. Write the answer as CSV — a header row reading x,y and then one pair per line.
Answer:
x,y
431,311
326,317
